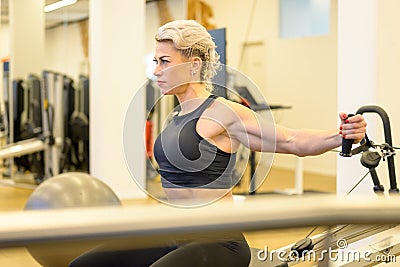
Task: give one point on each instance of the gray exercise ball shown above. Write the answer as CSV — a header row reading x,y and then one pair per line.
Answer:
x,y
67,190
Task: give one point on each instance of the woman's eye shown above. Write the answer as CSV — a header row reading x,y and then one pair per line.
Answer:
x,y
162,61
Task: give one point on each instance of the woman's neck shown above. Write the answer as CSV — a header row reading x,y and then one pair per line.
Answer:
x,y
192,97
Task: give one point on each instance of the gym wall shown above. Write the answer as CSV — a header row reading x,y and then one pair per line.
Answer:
x,y
64,52
299,72
388,64
302,72
4,51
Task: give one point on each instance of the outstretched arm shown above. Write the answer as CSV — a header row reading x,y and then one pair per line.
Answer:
x,y
257,134
313,142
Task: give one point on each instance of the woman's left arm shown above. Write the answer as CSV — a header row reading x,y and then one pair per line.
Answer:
x,y
256,133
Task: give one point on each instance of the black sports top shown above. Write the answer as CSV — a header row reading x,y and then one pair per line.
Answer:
x,y
186,159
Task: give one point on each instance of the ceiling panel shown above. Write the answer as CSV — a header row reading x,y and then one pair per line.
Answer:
x,y
72,13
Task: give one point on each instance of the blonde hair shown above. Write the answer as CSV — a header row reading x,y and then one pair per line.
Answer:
x,y
192,39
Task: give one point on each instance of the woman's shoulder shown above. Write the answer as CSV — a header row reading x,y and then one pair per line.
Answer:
x,y
226,111
233,105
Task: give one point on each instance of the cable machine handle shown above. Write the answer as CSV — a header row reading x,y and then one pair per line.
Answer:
x,y
347,144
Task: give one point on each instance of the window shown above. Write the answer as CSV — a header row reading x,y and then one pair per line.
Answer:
x,y
304,18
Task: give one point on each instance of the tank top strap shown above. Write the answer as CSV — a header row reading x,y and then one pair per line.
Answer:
x,y
205,105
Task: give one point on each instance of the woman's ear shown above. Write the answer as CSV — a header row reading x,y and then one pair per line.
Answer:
x,y
196,64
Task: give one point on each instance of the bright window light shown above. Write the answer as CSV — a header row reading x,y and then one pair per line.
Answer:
x,y
304,18
59,4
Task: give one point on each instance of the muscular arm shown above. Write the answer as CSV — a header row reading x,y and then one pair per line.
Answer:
x,y
258,134
306,142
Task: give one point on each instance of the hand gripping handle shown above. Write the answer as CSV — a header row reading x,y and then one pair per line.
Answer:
x,y
347,144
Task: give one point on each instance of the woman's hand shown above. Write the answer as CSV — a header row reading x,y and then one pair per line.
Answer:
x,y
352,127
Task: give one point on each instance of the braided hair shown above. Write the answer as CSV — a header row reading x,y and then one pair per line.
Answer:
x,y
192,39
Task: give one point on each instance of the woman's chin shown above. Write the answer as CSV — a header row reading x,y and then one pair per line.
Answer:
x,y
169,92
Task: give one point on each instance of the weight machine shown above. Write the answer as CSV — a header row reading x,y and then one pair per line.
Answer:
x,y
373,241
34,126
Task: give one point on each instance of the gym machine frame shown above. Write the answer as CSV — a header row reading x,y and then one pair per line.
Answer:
x,y
51,139
383,239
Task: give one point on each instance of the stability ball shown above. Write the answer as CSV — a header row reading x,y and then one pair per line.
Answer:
x,y
67,190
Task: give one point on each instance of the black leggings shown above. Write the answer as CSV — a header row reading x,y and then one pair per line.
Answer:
x,y
199,253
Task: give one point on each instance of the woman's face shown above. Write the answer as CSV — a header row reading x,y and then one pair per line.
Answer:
x,y
173,70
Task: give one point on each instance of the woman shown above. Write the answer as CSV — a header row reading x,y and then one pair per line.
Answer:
x,y
196,151
185,63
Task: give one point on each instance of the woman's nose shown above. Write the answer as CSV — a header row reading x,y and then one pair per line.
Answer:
x,y
157,71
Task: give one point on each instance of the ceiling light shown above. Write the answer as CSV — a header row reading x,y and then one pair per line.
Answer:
x,y
59,4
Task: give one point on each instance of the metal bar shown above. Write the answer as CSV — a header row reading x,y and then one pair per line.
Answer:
x,y
156,223
25,147
21,148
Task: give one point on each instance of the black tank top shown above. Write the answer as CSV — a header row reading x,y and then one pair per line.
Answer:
x,y
186,159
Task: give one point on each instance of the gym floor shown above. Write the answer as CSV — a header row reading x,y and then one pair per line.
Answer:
x,y
13,198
